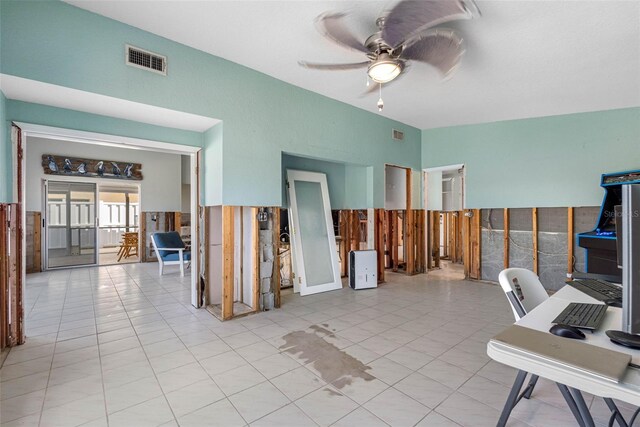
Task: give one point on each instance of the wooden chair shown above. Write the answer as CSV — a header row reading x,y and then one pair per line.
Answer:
x,y
128,246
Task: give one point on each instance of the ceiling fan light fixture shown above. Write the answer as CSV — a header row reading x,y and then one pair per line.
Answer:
x,y
384,69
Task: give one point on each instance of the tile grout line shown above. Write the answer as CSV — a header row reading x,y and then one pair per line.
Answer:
x,y
53,356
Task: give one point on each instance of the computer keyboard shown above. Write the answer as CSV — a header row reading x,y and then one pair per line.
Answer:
x,y
598,289
581,315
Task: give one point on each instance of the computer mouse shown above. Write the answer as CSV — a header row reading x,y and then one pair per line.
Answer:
x,y
614,302
567,331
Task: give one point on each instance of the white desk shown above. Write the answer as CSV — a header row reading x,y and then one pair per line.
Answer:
x,y
627,390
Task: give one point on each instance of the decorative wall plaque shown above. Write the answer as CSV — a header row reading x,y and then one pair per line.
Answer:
x,y
69,166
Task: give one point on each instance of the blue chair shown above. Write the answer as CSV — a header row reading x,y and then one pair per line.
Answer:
x,y
170,250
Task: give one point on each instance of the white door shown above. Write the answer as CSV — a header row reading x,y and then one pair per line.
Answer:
x,y
312,237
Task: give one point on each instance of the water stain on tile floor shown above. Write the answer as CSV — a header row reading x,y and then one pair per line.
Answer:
x,y
334,365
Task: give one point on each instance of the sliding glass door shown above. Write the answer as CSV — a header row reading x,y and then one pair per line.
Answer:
x,y
71,224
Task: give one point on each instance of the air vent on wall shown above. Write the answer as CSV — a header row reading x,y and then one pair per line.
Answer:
x,y
398,135
150,61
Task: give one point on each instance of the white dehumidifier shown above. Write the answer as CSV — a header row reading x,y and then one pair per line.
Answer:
x,y
363,269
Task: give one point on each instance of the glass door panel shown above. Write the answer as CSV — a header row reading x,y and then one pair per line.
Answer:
x,y
70,221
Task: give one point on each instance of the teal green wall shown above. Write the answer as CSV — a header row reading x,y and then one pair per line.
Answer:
x,y
335,177
211,168
5,158
262,116
548,161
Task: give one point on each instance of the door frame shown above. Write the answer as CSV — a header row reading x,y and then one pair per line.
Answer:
x,y
320,178
50,132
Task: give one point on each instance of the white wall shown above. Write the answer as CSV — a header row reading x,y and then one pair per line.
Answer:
x,y
395,191
185,166
161,187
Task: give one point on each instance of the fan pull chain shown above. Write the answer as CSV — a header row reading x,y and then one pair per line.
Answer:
x,y
380,101
368,83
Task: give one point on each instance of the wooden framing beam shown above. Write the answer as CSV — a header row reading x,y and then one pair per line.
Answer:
x,y
505,238
206,242
445,229
466,233
430,222
177,221
388,239
379,241
275,278
409,230
343,225
436,239
4,268
394,240
227,261
475,272
420,241
255,258
534,220
570,241
354,224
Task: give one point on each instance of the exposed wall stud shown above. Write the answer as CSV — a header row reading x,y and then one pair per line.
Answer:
x,y
275,279
255,258
476,239
344,251
379,242
227,261
436,239
394,240
409,232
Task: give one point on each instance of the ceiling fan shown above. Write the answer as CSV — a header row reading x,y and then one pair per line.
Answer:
x,y
404,34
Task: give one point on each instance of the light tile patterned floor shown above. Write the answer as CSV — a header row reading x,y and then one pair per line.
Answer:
x,y
119,346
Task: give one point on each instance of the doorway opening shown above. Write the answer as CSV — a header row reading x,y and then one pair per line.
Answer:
x,y
71,235
119,224
448,221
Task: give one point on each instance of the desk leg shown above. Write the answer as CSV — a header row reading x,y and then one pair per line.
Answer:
x,y
582,407
530,386
512,399
572,404
613,408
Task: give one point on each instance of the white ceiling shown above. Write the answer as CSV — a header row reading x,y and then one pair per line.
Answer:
x,y
524,58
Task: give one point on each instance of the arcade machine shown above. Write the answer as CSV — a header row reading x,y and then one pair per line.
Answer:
x,y
600,244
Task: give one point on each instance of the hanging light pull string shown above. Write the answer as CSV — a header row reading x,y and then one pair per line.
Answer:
x,y
380,101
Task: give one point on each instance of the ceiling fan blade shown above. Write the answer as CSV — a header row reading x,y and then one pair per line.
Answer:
x,y
411,17
332,26
316,66
439,47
